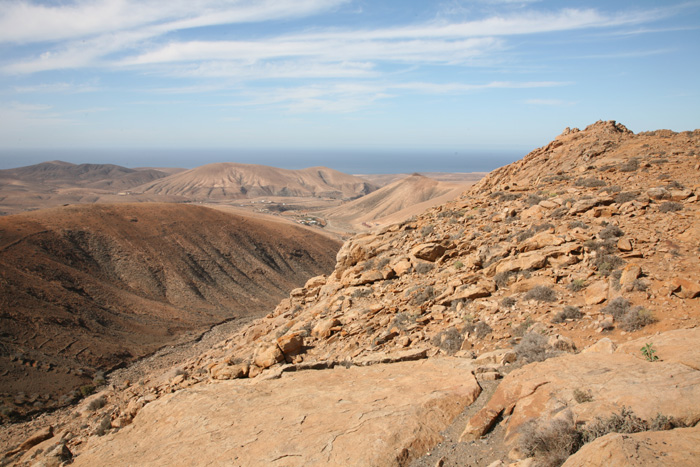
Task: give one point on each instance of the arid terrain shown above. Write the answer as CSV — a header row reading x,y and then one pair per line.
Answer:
x,y
548,315
91,287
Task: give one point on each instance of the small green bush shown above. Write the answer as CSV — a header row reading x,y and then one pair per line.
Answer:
x,y
649,352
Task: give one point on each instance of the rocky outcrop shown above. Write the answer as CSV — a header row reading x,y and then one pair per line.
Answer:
x,y
374,415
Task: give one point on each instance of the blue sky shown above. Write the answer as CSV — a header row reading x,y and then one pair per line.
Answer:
x,y
237,78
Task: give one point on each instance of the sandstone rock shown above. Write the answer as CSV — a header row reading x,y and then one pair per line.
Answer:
x,y
624,244
658,192
604,346
41,435
224,371
367,277
672,346
377,415
315,282
630,272
588,204
651,448
596,292
684,288
402,267
498,357
323,327
541,240
268,355
428,251
533,212
525,261
540,389
480,424
291,344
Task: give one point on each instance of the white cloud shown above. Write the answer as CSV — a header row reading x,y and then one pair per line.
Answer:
x,y
23,21
56,88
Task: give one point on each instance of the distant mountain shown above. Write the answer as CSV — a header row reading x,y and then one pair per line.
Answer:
x,y
59,174
394,202
228,180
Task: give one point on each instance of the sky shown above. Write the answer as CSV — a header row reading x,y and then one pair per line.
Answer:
x,y
390,85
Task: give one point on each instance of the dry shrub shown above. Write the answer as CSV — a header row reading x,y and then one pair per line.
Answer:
x,y
541,293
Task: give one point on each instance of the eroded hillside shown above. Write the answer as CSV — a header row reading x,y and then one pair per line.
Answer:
x,y
93,287
591,242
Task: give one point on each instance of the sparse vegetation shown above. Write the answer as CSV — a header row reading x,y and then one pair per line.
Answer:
x,y
427,230
424,267
589,182
611,231
551,442
649,352
541,293
670,206
533,199
578,224
617,308
577,285
626,196
508,302
569,312
449,340
480,329
86,390
636,319
97,403
630,165
533,347
522,328
582,396
458,265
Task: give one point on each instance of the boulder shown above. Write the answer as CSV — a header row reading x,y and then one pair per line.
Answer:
x,y
291,344
629,273
268,355
324,327
684,288
597,292
428,251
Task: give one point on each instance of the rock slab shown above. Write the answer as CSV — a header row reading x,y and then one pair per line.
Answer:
x,y
378,415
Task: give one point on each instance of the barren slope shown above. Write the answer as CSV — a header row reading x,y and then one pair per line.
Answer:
x,y
228,180
99,285
393,203
588,242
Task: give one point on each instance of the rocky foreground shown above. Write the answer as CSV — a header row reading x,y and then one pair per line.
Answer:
x,y
571,276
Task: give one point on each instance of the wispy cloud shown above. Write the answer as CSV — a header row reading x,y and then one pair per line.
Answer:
x,y
56,88
28,22
549,102
120,33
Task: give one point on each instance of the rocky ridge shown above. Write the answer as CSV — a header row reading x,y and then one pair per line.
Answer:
x,y
594,236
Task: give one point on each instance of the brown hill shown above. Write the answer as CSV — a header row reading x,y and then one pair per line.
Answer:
x,y
588,244
56,183
97,286
58,174
393,203
228,180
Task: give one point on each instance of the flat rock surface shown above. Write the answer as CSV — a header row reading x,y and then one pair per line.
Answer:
x,y
377,415
679,447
